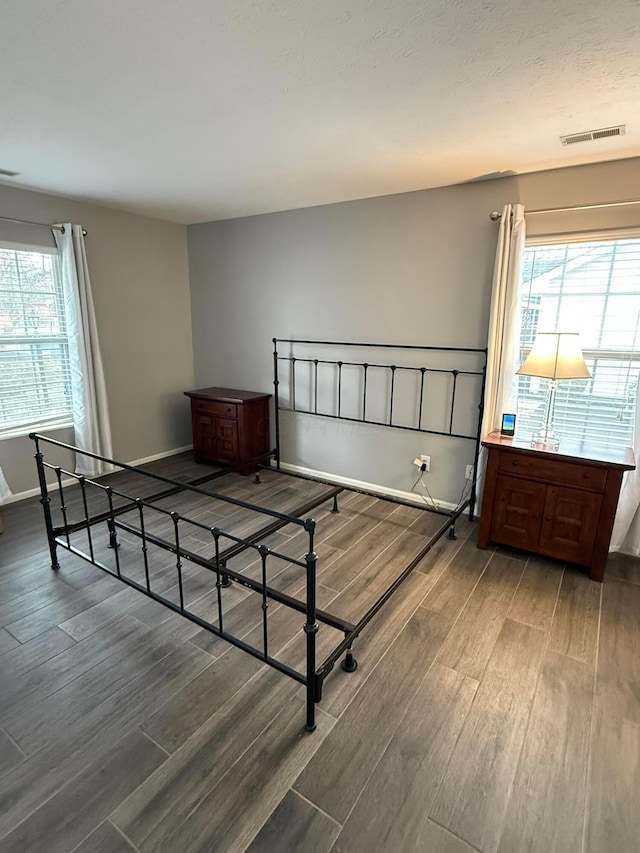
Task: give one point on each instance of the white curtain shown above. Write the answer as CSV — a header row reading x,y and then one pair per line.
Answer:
x,y
626,527
90,410
504,325
5,491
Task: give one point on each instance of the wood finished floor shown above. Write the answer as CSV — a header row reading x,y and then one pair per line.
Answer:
x,y
496,706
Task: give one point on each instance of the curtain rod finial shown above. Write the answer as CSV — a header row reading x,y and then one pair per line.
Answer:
x,y
495,215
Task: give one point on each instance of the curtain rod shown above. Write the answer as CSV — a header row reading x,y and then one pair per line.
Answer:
x,y
43,224
496,214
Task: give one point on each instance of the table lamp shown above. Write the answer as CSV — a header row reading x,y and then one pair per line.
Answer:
x,y
555,356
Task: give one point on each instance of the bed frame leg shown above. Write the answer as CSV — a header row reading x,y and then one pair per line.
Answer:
x,y
335,504
452,532
310,725
257,479
349,664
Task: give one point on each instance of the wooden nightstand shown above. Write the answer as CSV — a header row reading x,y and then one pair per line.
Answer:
x,y
229,426
561,504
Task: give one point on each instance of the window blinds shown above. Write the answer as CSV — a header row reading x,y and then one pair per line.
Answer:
x,y
35,388
592,288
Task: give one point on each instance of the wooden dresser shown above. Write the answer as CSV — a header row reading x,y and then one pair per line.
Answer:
x,y
229,426
558,503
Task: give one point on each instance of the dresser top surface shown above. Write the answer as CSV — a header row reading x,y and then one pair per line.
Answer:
x,y
617,457
227,395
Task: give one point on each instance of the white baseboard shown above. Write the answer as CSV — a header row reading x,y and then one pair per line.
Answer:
x,y
162,455
31,493
70,481
411,497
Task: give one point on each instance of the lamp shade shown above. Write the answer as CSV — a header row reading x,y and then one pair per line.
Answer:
x,y
556,355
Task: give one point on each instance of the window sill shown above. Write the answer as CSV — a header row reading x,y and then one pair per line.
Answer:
x,y
23,432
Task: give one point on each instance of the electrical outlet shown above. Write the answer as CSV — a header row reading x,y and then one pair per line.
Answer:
x,y
468,473
426,460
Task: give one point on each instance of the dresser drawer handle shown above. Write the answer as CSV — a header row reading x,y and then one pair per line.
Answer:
x,y
515,463
547,518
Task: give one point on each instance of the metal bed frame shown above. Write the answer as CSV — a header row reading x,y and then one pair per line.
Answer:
x,y
226,545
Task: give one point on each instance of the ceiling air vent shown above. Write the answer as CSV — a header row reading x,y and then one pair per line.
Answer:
x,y
8,173
590,135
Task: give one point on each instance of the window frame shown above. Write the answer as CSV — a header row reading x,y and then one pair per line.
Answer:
x,y
41,424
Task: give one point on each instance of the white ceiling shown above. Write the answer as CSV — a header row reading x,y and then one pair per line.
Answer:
x,y
193,110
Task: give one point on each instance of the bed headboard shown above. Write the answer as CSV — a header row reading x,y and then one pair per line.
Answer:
x,y
434,390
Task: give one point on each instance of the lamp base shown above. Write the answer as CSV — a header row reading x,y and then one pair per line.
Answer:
x,y
546,439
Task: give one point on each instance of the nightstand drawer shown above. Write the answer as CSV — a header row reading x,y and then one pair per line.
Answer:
x,y
552,471
210,407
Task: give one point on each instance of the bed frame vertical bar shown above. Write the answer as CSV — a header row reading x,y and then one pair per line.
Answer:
x,y
216,540
293,384
276,400
423,370
365,367
315,384
454,373
265,601
113,536
63,506
176,519
83,488
311,627
45,500
143,537
393,383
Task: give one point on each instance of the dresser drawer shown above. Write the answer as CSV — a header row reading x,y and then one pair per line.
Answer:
x,y
552,471
210,407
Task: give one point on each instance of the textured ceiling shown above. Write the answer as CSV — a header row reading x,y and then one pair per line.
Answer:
x,y
208,109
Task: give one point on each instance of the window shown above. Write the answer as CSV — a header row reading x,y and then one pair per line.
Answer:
x,y
35,388
592,288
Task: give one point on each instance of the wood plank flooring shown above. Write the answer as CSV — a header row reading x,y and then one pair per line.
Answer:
x,y
496,706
